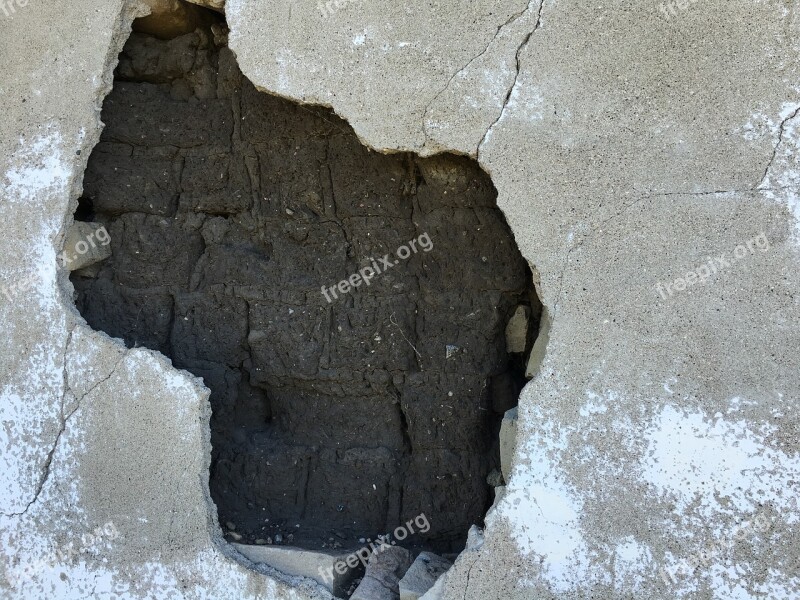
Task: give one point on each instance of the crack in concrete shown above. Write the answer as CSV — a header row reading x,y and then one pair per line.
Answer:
x,y
781,132
510,92
64,420
759,187
48,461
469,574
619,213
500,28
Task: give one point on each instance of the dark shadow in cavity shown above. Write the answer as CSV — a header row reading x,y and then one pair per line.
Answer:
x,y
229,211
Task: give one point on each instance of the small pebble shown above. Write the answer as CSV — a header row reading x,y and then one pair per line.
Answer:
x,y
230,526
236,537
261,542
278,538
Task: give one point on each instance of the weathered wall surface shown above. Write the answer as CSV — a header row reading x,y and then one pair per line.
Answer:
x,y
103,452
226,241
630,146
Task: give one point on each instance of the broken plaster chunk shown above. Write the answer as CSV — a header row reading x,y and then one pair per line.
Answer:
x,y
517,330
474,539
382,578
437,591
317,565
85,244
422,575
508,442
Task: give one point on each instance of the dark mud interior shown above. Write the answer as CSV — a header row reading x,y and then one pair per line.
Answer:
x,y
230,210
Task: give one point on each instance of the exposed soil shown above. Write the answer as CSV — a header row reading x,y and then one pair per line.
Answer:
x,y
229,211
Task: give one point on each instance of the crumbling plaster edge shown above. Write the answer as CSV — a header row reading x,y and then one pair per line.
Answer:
x,y
131,10
88,138
430,148
78,162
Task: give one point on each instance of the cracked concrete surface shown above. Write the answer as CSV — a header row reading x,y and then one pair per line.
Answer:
x,y
629,149
517,68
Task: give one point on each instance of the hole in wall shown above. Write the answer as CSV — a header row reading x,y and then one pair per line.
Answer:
x,y
362,320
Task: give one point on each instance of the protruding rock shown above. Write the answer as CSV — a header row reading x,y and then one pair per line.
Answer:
x,y
85,244
517,330
508,442
218,5
382,578
494,478
422,575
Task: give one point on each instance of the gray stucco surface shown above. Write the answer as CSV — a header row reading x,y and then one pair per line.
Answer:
x,y
657,454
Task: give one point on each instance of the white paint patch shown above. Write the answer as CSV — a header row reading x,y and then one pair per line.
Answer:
x,y
210,575
594,406
718,472
630,552
30,397
717,466
727,583
633,563
41,168
544,512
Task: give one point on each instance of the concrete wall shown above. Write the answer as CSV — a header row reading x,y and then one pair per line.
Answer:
x,y
631,144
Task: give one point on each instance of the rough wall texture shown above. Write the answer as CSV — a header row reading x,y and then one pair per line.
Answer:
x,y
630,146
229,211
